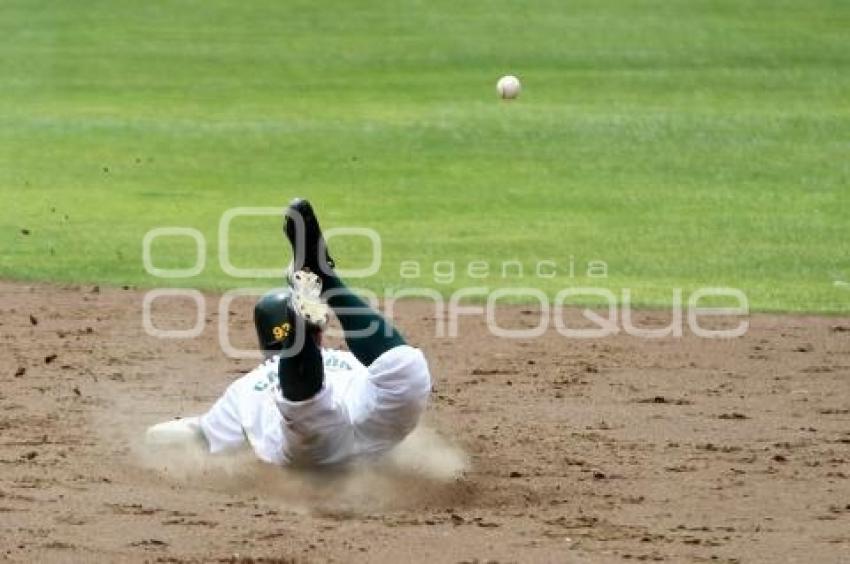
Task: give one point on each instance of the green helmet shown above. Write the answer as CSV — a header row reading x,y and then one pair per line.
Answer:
x,y
273,320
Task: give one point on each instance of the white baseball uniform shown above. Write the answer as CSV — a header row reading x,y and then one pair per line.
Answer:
x,y
359,411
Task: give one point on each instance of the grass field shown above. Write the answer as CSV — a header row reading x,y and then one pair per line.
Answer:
x,y
685,143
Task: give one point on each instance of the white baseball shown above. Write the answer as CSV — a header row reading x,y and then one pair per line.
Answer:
x,y
508,87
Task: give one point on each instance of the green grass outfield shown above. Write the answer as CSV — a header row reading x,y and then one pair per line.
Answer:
x,y
685,143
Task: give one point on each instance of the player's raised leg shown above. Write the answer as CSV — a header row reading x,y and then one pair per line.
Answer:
x,y
367,333
387,405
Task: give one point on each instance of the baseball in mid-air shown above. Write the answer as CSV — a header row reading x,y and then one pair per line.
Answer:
x,y
508,87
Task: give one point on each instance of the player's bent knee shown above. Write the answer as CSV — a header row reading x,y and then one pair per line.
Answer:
x,y
417,383
401,384
403,371
407,382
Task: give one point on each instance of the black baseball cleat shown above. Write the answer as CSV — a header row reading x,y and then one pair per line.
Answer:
x,y
309,250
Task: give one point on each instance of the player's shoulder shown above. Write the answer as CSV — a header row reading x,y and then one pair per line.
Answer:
x,y
336,359
267,367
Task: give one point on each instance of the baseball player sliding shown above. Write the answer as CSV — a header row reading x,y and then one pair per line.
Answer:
x,y
306,404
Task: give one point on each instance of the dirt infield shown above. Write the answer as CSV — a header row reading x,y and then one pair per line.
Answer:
x,y
548,450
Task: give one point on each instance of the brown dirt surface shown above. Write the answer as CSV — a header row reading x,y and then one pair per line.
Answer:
x,y
542,450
